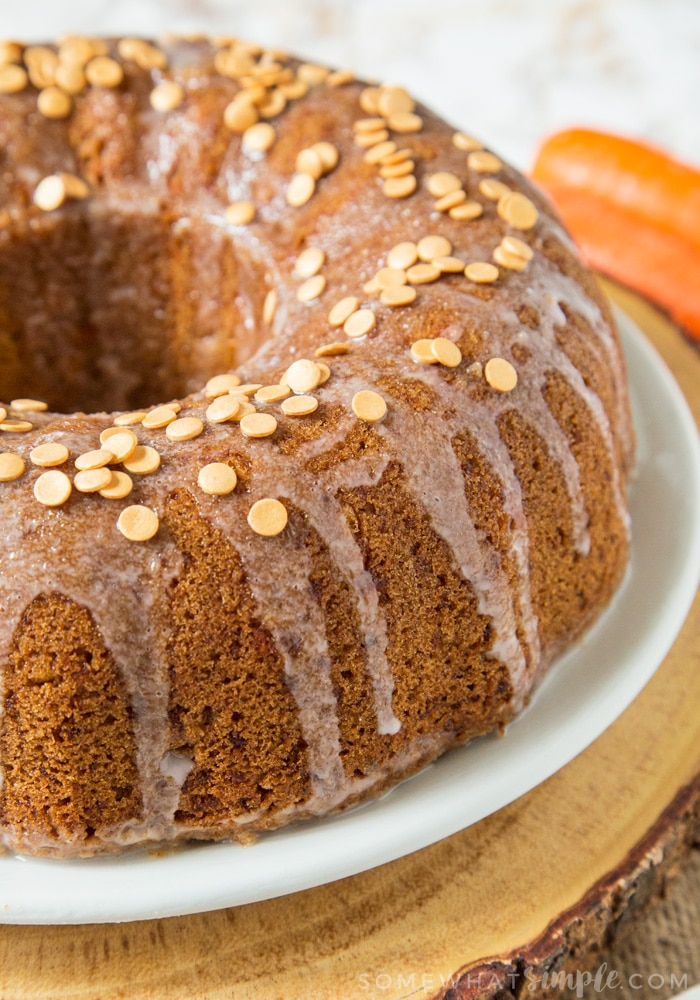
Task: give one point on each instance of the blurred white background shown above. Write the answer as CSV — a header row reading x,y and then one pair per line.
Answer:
x,y
510,71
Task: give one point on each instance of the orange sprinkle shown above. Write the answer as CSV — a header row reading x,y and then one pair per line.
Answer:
x,y
138,523
368,405
268,517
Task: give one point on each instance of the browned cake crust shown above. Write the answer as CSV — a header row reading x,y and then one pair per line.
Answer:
x,y
442,514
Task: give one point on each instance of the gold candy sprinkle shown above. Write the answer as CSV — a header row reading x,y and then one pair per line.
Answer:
x,y
392,99
451,200
219,385
303,376
376,154
309,262
402,255
249,389
312,74
466,143
405,122
258,138
401,169
95,459
53,488
399,187
300,189
258,425
443,183
50,193
368,405
521,249
217,479
160,416
184,429
267,517
122,445
272,393
10,52
41,63
53,102
104,72
342,310
422,351
332,350
13,79
269,306
367,139
389,277
483,162
244,410
128,419
143,461
309,162
493,189
400,156
92,480
11,467
517,210
329,155
423,274
145,55
360,323
369,100
294,90
299,406
511,261
223,408
311,289
109,432
372,124
28,406
240,213
274,105
500,374
481,272
167,96
71,78
138,523
240,115
119,486
339,77
433,246
16,426
398,295
48,455
446,352
80,50
75,186
449,265
467,210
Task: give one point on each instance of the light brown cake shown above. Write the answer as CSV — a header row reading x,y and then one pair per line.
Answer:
x,y
428,425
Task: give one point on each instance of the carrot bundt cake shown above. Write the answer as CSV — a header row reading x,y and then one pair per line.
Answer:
x,y
313,441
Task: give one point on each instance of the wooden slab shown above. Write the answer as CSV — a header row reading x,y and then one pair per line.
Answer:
x,y
538,885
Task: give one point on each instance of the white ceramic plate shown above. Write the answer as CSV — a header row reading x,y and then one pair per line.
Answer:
x,y
581,697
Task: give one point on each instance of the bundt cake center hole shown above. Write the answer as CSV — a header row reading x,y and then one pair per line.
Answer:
x,y
104,311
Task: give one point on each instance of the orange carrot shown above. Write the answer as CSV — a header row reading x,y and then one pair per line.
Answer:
x,y
634,212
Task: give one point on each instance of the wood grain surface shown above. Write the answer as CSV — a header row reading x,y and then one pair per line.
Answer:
x,y
539,886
